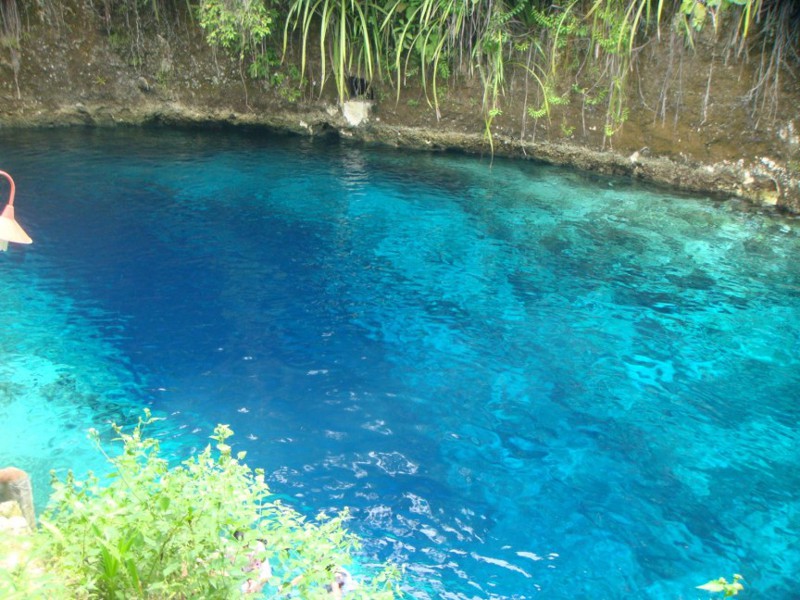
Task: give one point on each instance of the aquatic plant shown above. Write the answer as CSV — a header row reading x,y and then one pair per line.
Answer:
x,y
728,589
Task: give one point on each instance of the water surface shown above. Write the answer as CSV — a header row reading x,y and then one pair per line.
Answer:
x,y
525,382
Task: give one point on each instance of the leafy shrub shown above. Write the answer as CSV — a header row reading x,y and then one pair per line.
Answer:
x,y
184,532
242,27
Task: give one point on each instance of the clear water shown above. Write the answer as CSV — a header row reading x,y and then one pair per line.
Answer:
x,y
525,382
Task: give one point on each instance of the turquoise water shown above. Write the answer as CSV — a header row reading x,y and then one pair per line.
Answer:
x,y
525,382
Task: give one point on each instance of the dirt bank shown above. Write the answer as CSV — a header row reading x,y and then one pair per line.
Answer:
x,y
689,124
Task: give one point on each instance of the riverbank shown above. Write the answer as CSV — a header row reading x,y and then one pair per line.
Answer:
x,y
763,183
75,69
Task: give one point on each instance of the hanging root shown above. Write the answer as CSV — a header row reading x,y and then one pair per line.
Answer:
x,y
10,34
779,48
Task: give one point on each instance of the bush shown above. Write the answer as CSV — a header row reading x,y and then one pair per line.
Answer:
x,y
184,532
242,27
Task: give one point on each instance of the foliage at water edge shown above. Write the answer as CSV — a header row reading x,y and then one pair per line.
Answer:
x,y
148,530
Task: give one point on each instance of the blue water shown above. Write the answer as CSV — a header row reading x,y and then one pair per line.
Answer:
x,y
525,382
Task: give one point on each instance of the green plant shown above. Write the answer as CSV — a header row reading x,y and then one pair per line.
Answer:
x,y
492,71
697,12
286,84
487,122
420,31
119,42
185,532
614,122
722,585
549,98
593,99
241,28
349,37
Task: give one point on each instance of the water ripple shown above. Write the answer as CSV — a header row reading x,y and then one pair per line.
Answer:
x,y
524,381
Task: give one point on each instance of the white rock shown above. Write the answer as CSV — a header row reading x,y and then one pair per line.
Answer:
x,y
356,112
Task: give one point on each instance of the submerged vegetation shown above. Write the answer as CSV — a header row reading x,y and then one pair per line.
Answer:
x,y
721,585
578,51
148,530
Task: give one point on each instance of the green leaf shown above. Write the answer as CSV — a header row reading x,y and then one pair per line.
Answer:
x,y
135,538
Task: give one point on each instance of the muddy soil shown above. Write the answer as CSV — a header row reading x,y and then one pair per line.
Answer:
x,y
692,122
